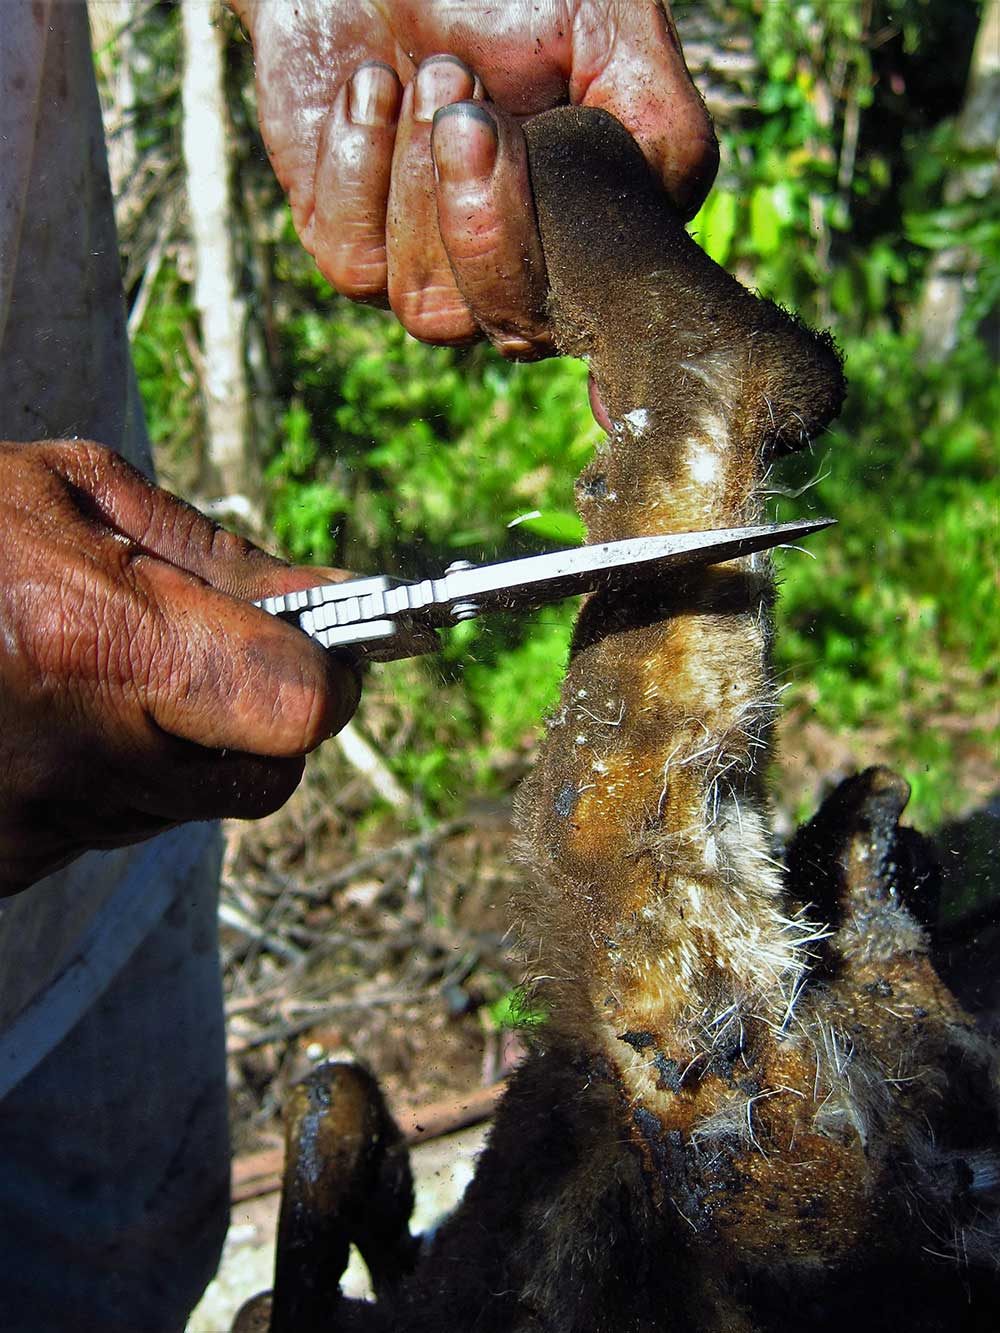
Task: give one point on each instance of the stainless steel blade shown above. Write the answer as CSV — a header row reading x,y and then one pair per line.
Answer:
x,y
516,585
385,618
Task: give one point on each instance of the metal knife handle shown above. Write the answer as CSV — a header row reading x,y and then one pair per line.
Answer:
x,y
365,616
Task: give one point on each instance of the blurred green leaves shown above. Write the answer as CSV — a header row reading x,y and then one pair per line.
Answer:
x,y
832,199
894,628
714,226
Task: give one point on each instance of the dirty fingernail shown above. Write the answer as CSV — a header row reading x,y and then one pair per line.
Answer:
x,y
440,80
517,347
464,142
374,95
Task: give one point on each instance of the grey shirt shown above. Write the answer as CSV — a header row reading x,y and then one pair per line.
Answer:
x,y
65,371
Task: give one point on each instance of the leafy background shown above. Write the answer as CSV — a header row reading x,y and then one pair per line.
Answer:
x,y
371,916
833,198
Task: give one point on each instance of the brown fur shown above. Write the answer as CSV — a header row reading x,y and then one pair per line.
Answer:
x,y
756,1105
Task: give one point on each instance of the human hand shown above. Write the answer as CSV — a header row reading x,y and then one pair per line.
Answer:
x,y
400,199
138,689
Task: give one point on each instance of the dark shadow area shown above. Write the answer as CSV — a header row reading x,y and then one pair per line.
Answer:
x,y
967,941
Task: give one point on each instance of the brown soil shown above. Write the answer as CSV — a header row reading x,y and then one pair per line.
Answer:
x,y
363,938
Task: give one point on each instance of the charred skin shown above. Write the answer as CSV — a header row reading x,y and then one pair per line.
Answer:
x,y
346,1181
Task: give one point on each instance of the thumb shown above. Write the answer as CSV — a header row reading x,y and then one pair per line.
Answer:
x,y
212,670
627,59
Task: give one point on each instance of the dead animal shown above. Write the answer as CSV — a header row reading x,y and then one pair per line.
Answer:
x,y
755,1105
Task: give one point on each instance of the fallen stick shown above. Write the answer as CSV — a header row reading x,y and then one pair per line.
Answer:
x,y
421,842
236,919
363,756
437,1119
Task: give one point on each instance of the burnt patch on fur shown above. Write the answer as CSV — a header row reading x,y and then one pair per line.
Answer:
x,y
756,1107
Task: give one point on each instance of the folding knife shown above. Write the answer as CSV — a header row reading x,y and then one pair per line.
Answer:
x,y
382,618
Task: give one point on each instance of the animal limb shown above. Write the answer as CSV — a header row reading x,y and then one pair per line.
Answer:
x,y
755,1106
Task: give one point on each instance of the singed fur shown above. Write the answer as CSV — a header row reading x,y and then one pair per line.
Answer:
x,y
755,1105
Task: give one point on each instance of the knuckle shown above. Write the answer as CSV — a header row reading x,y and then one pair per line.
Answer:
x,y
66,627
73,642
181,526
87,454
304,714
315,724
159,663
223,546
357,272
319,705
434,314
475,232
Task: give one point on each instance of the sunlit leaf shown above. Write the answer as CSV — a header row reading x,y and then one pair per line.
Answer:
x,y
715,225
565,528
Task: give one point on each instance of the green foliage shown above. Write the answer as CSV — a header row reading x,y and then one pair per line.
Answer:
x,y
515,1010
428,452
832,199
167,379
305,510
895,626
403,457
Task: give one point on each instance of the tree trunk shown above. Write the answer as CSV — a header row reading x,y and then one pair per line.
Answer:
x,y
211,218
953,270
113,39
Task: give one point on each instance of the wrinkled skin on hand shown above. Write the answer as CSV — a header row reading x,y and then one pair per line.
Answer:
x,y
138,689
393,126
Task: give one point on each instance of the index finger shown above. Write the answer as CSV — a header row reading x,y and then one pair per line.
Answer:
x,y
117,495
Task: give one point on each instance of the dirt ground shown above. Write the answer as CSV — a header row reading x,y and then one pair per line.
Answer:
x,y
356,937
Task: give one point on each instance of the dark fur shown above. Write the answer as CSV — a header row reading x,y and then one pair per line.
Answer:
x,y
739,1120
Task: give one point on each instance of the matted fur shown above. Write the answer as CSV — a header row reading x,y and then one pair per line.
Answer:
x,y
754,1106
